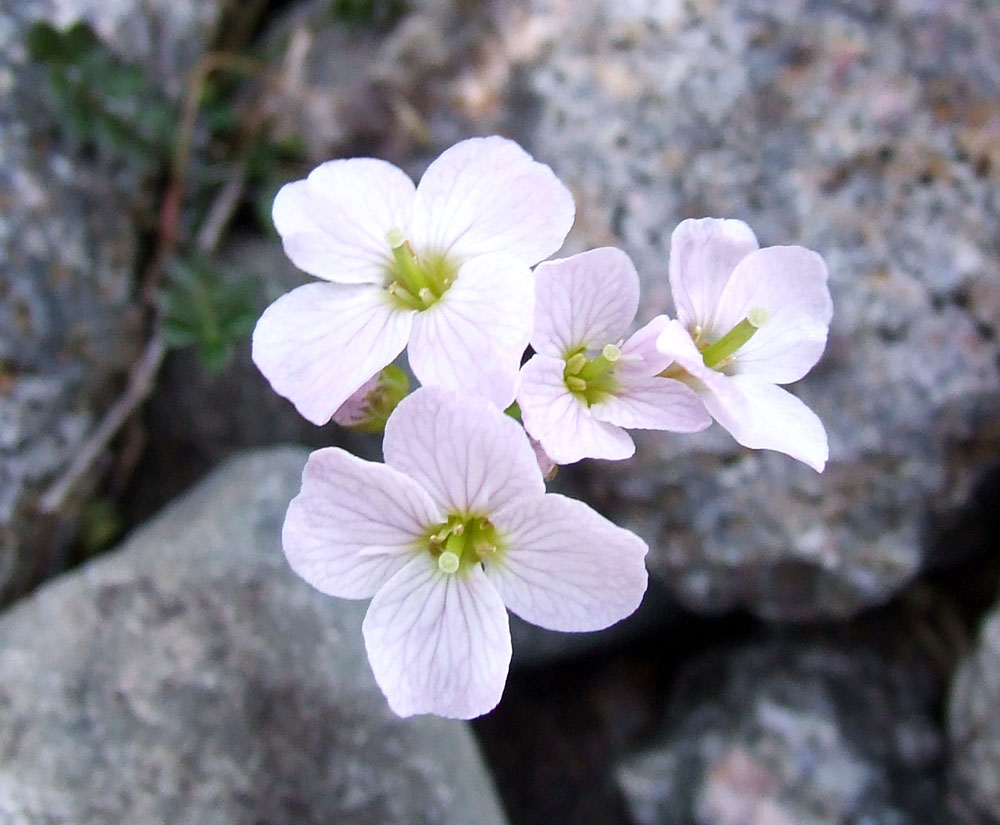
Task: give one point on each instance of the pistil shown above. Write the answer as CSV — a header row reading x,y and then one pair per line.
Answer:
x,y
716,353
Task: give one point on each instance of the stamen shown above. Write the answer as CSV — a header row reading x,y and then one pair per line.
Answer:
x,y
426,296
575,383
575,363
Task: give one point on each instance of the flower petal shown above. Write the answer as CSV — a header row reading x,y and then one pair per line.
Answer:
x,y
763,416
472,339
703,254
333,224
565,566
488,195
790,283
640,354
586,300
561,422
462,450
438,643
653,403
320,342
353,524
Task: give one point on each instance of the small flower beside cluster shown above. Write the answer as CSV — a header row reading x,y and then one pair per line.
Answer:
x,y
748,319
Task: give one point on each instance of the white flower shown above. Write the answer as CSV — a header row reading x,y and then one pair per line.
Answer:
x,y
444,265
749,319
452,527
585,383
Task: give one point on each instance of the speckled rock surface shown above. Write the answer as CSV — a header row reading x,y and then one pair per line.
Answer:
x,y
866,131
68,325
974,729
191,677
788,733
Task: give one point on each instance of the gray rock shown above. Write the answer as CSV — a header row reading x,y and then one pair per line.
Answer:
x,y
866,131
191,677
69,329
785,733
974,729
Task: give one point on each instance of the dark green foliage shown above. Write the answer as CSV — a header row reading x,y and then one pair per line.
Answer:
x,y
367,13
204,309
102,101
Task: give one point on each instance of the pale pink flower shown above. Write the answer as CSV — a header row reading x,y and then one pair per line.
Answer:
x,y
444,266
586,383
749,319
454,526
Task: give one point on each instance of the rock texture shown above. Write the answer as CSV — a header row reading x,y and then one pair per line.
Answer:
x,y
68,250
867,131
974,729
191,677
793,734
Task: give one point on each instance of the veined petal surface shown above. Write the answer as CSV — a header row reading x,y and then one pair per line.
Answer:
x,y
790,284
586,300
654,403
561,422
469,456
486,195
473,338
354,524
566,567
320,342
333,224
703,254
438,643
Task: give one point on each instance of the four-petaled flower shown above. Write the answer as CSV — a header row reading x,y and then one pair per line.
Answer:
x,y
586,383
748,319
455,525
444,266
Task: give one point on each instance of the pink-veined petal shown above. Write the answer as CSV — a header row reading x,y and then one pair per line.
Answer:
x,y
675,342
757,413
703,254
640,355
654,403
561,422
488,195
467,454
438,643
354,523
790,284
586,300
472,339
566,567
763,416
333,224
320,342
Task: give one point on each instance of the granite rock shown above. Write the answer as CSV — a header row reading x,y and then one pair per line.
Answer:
x,y
69,329
190,676
809,732
974,729
866,131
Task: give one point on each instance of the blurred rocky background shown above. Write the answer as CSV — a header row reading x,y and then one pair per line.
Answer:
x,y
814,650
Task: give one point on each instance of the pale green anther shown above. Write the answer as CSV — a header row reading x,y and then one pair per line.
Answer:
x,y
575,383
599,365
448,562
575,363
426,296
716,353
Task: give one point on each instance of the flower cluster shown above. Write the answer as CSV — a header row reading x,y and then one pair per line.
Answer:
x,y
455,527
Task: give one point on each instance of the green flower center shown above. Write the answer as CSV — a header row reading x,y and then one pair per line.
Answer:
x,y
462,542
592,379
416,282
